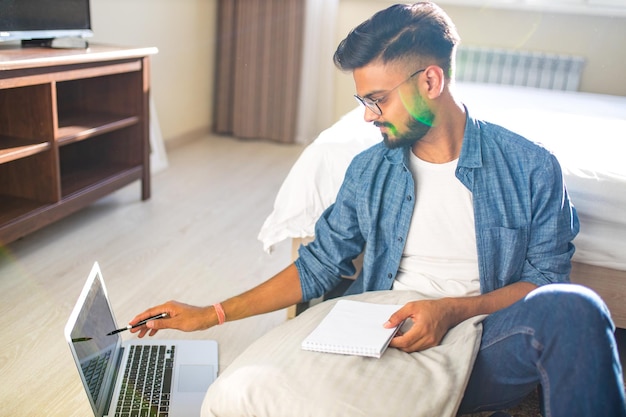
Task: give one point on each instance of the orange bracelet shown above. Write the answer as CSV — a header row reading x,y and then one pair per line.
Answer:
x,y
219,310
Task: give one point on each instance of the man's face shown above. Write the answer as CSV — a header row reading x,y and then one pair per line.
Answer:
x,y
405,117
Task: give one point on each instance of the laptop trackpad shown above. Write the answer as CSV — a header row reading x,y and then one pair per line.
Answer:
x,y
194,378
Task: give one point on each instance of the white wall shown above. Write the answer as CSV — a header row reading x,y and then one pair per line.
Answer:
x,y
182,71
600,39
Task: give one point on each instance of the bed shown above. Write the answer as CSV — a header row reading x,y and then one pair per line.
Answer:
x,y
587,133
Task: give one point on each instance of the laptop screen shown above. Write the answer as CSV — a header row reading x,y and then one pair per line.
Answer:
x,y
95,352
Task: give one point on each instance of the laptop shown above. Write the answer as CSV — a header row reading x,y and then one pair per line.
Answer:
x,y
183,368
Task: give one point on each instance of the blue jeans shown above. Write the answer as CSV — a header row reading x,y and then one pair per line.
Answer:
x,y
559,336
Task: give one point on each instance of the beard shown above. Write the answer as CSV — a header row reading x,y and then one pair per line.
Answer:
x,y
416,130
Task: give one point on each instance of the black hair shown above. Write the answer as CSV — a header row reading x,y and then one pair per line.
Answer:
x,y
422,31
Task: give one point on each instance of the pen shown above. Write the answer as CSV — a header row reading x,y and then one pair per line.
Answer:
x,y
139,323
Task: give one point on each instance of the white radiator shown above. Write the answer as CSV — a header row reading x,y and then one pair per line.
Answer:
x,y
513,67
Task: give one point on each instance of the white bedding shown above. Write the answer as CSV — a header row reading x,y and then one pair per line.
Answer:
x,y
587,133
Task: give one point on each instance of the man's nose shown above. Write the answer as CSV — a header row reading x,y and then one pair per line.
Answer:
x,y
370,115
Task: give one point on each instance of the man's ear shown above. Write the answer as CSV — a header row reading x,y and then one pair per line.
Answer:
x,y
434,77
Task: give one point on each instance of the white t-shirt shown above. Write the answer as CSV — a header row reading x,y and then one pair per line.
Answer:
x,y
440,257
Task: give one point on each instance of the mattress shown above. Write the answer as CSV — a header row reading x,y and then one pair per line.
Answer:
x,y
586,132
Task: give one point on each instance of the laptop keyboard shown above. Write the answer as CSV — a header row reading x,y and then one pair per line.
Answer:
x,y
147,382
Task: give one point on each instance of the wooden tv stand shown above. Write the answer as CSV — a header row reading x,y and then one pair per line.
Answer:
x,y
74,127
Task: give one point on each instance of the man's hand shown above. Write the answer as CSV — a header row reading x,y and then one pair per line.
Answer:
x,y
430,325
433,318
181,316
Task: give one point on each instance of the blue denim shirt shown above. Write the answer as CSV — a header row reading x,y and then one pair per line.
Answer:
x,y
524,221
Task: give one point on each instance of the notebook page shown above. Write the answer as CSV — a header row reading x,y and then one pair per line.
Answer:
x,y
353,328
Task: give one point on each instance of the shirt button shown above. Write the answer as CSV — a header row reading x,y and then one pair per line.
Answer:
x,y
409,198
400,239
390,275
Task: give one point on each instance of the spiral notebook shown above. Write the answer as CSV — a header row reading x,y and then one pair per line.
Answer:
x,y
353,328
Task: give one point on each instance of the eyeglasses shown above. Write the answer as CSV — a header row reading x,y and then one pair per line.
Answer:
x,y
372,104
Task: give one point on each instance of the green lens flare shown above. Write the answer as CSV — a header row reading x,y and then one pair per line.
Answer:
x,y
417,109
425,118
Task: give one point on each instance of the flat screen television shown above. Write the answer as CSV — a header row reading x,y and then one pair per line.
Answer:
x,y
41,20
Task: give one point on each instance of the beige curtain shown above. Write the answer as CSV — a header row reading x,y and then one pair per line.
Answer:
x,y
259,56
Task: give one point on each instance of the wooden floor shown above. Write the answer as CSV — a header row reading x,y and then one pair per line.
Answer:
x,y
194,240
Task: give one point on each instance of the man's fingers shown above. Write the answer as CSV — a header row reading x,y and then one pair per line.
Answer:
x,y
396,318
155,325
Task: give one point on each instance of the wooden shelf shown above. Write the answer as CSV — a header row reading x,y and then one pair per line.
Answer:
x,y
14,208
85,119
12,148
78,128
83,178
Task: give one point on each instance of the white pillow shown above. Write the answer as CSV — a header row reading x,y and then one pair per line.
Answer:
x,y
274,377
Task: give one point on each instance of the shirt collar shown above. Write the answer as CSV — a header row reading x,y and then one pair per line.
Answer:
x,y
471,154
